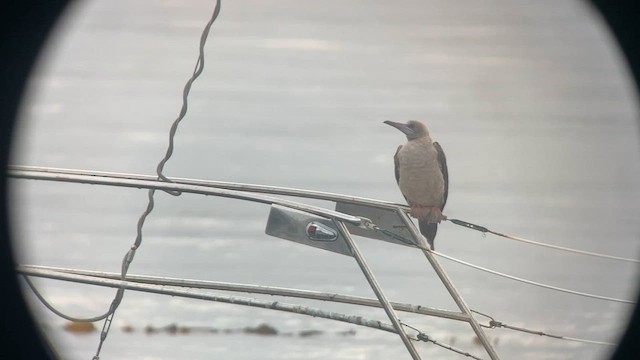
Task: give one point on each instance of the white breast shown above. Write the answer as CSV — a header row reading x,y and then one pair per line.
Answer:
x,y
421,180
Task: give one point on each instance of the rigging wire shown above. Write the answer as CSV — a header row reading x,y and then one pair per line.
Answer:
x,y
424,337
530,282
483,230
493,323
477,267
496,324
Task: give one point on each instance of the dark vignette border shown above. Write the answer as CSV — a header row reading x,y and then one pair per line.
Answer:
x,y
24,28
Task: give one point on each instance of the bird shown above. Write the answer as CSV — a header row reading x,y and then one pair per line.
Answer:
x,y
422,176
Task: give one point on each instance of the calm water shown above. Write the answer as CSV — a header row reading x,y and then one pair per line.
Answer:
x,y
529,99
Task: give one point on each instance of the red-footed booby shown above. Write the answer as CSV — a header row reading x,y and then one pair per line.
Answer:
x,y
422,175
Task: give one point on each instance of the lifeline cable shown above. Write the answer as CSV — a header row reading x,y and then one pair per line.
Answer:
x,y
483,230
426,338
93,278
146,283
530,282
494,272
496,324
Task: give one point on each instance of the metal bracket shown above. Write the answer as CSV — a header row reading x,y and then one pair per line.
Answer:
x,y
383,219
307,229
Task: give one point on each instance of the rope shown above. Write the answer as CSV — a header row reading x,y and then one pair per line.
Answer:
x,y
128,258
496,324
562,248
533,282
57,312
199,67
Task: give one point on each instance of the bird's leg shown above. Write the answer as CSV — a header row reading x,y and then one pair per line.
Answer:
x,y
432,214
435,215
419,212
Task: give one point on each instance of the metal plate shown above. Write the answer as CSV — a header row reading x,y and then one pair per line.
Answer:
x,y
385,219
306,229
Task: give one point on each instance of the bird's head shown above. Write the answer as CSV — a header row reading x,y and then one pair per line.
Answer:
x,y
413,129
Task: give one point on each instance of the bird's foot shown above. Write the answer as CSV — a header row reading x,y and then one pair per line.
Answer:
x,y
435,216
431,214
419,212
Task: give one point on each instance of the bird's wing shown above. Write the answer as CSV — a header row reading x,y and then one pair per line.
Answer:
x,y
442,161
396,162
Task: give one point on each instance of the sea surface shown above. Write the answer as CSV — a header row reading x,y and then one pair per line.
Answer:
x,y
531,100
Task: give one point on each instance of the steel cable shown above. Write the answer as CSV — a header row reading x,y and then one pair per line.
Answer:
x,y
530,282
483,229
496,324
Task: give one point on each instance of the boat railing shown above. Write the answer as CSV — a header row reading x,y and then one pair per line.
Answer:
x,y
328,229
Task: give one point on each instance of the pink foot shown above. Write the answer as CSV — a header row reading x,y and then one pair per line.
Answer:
x,y
432,214
419,212
435,216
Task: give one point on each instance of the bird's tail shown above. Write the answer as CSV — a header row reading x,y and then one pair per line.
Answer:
x,y
429,231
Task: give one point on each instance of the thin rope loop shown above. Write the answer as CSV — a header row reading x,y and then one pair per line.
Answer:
x,y
48,305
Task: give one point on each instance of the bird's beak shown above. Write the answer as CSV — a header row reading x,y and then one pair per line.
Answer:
x,y
400,126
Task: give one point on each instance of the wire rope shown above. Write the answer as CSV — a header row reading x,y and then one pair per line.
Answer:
x,y
530,282
483,229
